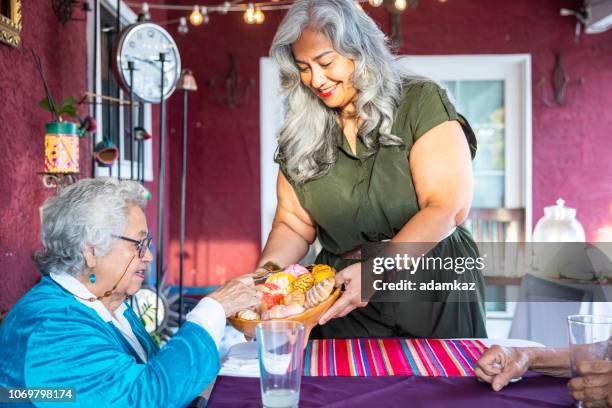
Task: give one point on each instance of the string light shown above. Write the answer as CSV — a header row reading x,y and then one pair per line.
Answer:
x,y
144,11
253,13
196,18
204,11
249,14
400,5
225,7
183,28
259,16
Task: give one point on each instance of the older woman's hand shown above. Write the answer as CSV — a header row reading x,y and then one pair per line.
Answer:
x,y
500,365
237,294
593,386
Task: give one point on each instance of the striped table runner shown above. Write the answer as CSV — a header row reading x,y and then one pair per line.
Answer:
x,y
393,356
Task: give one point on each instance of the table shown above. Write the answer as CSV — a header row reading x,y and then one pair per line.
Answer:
x,y
534,390
381,392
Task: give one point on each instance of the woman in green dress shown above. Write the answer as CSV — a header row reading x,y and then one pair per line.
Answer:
x,y
368,153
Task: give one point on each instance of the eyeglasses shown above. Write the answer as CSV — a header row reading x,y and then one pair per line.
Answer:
x,y
141,246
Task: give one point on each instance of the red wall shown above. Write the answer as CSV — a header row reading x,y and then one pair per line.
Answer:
x,y
22,129
572,145
63,50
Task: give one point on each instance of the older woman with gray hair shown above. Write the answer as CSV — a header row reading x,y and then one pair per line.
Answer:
x,y
368,153
74,329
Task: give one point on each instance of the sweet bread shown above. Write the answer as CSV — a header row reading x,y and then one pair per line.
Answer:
x,y
248,314
319,292
303,283
295,297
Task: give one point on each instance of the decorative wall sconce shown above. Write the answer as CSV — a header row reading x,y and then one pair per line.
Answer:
x,y
235,92
63,9
61,155
560,82
10,22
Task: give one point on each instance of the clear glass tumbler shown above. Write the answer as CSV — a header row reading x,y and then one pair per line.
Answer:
x,y
281,349
589,339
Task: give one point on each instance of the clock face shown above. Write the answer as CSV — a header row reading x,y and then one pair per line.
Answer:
x,y
142,43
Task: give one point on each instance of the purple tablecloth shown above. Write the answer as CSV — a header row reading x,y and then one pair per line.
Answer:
x,y
414,392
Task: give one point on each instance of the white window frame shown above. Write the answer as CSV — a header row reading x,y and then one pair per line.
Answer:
x,y
128,16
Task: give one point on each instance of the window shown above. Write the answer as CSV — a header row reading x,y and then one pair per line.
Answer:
x,y
113,122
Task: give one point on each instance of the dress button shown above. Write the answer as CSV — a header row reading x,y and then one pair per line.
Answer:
x,y
359,163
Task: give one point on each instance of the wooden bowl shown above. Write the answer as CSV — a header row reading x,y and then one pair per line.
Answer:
x,y
308,318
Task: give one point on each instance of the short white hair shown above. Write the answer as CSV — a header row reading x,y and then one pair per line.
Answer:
x,y
85,214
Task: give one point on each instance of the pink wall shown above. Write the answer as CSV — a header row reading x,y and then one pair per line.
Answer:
x,y
572,145
63,50
22,129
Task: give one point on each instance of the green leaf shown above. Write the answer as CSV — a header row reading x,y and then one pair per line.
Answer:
x,y
44,103
69,107
69,101
69,110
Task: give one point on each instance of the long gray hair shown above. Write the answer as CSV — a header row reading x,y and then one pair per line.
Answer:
x,y
85,214
305,142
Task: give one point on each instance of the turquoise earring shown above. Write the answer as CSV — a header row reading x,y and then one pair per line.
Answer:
x,y
92,278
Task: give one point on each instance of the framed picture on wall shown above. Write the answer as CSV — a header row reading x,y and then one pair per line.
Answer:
x,y
10,22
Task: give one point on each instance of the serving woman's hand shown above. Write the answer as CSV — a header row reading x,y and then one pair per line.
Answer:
x,y
499,365
350,298
237,294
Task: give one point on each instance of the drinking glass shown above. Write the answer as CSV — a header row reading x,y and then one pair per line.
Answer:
x,y
280,346
589,339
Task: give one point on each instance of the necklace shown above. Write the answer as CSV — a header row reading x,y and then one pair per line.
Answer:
x,y
109,292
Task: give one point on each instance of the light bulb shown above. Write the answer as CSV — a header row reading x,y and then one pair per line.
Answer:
x,y
401,5
196,17
205,17
145,15
224,8
183,28
375,3
249,14
259,16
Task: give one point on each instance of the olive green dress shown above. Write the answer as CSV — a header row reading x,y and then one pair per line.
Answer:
x,y
366,199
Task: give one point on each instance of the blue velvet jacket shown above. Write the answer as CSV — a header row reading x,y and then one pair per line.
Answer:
x,y
50,339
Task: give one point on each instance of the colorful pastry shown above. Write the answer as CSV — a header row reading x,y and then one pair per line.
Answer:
x,y
248,314
295,297
319,292
281,279
272,295
296,270
282,311
303,283
322,272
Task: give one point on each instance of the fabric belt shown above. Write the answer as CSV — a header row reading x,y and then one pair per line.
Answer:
x,y
355,253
